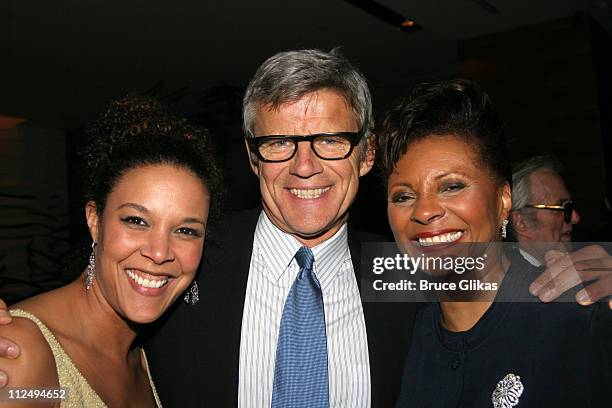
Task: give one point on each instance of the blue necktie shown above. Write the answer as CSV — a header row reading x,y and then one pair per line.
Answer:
x,y
300,372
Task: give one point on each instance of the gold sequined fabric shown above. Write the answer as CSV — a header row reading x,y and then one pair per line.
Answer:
x,y
80,393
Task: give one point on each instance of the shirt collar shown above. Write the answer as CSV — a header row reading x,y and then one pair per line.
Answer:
x,y
277,250
530,258
330,255
276,247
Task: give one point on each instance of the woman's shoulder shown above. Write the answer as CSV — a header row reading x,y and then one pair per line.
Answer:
x,y
35,366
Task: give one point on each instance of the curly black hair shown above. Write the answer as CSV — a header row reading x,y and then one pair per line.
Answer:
x,y
137,131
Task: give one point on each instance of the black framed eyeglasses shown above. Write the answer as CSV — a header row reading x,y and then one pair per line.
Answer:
x,y
567,208
327,146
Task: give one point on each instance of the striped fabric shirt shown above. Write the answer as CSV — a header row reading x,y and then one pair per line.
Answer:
x,y
272,272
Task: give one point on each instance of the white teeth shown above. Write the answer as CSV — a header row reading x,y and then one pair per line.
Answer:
x,y
144,282
440,239
309,194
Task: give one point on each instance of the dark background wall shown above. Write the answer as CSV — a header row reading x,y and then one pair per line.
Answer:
x,y
546,64
548,87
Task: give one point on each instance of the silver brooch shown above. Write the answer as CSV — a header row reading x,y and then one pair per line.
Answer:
x,y
507,392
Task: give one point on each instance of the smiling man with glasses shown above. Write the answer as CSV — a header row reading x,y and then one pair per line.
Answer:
x,y
542,209
285,325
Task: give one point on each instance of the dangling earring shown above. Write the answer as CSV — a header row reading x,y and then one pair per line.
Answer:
x,y
504,230
91,267
192,294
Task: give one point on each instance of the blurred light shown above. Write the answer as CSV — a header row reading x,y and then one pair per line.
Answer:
x,y
9,122
386,14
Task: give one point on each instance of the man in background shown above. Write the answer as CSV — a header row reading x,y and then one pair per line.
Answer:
x,y
542,208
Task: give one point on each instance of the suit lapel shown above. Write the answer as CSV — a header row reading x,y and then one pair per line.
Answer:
x,y
225,284
389,328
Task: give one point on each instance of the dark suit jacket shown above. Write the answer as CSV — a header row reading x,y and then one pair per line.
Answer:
x,y
193,351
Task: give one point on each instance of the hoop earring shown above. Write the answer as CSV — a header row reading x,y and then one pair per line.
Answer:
x,y
192,295
91,267
504,230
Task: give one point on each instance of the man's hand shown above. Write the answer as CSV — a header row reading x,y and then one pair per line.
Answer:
x,y
8,349
566,270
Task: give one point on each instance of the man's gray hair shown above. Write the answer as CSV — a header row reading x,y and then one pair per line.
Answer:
x,y
288,76
521,191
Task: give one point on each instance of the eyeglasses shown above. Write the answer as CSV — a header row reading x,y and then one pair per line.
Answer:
x,y
327,146
567,208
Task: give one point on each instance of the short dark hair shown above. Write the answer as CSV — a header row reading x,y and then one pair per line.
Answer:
x,y
138,131
458,107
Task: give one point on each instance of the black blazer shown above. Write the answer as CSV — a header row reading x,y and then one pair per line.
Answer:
x,y
193,351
